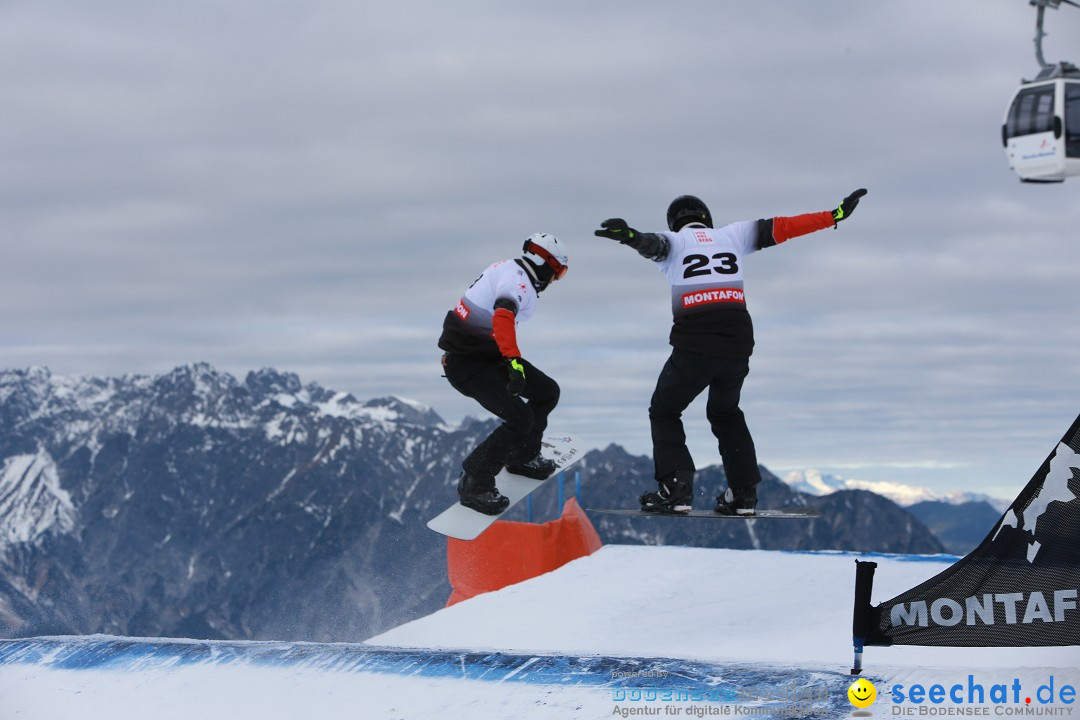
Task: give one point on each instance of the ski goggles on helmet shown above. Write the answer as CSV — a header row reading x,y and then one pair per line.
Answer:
x,y
549,259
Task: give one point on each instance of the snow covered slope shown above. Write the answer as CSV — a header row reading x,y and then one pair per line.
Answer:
x,y
718,605
673,631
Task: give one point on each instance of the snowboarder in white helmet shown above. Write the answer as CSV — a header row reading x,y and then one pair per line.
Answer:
x,y
482,361
712,338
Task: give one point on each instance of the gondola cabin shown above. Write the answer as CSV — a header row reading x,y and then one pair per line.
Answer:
x,y
1041,133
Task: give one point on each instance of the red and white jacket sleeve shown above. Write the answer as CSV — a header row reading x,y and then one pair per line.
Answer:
x,y
785,228
504,330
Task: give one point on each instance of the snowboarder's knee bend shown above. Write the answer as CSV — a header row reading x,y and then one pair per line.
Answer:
x,y
543,394
727,422
520,420
658,413
545,403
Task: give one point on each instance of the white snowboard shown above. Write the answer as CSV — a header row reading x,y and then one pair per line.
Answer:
x,y
463,523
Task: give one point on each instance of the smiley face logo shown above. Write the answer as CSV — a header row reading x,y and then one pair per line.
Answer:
x,y
862,693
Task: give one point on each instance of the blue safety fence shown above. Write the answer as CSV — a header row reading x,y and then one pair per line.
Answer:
x,y
561,482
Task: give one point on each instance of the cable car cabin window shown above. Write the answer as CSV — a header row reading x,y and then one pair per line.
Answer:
x,y
1032,112
1072,119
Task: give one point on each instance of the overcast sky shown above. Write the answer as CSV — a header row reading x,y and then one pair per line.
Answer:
x,y
311,185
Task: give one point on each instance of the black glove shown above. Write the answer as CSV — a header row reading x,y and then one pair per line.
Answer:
x,y
617,229
515,376
847,205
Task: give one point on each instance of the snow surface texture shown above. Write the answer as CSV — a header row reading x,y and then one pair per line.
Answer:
x,y
677,631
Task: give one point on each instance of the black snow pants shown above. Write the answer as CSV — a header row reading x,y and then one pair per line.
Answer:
x,y
517,440
683,378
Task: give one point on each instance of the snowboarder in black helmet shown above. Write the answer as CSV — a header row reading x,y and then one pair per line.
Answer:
x,y
482,361
712,338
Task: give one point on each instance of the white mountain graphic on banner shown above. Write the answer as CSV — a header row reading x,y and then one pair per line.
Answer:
x,y
1055,488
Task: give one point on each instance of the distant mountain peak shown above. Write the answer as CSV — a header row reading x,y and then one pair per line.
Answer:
x,y
814,482
32,502
269,380
403,410
200,378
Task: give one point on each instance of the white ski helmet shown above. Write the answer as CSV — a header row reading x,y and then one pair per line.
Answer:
x,y
547,255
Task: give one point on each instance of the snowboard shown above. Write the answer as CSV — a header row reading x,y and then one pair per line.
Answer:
x,y
464,523
759,515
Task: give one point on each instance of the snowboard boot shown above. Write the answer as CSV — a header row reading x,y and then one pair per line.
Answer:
x,y
481,495
674,496
737,502
539,468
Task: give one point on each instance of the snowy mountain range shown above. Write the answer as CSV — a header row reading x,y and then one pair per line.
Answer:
x,y
195,504
813,482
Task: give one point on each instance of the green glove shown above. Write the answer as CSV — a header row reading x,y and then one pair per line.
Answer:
x,y
847,205
617,229
515,376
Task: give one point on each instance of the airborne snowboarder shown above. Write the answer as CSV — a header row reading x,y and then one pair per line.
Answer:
x,y
712,338
482,361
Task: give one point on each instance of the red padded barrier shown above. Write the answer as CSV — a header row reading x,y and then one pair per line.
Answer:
x,y
510,552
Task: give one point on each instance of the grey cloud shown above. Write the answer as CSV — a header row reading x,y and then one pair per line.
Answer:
x,y
311,186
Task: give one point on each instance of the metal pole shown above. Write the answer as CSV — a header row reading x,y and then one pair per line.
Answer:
x,y
864,585
1039,35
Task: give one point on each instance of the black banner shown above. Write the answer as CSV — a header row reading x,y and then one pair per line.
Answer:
x,y
1019,588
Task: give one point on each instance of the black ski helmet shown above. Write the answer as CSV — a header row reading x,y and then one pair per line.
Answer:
x,y
687,209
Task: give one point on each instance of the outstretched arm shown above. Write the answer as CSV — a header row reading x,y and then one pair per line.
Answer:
x,y
649,245
780,229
